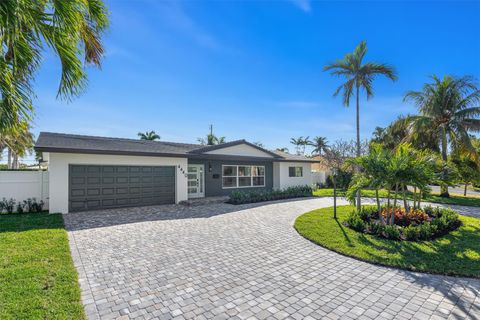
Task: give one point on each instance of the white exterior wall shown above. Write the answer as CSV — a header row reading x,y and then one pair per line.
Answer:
x,y
281,180
241,150
21,185
319,177
58,164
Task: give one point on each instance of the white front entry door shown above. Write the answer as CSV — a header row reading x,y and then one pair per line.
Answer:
x,y
196,181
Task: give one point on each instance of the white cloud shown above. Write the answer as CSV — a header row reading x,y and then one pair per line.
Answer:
x,y
304,5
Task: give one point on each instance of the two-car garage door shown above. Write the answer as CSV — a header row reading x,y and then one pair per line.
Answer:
x,y
93,187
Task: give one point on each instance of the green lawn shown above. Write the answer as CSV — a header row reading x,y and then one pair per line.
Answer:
x,y
454,198
37,276
457,253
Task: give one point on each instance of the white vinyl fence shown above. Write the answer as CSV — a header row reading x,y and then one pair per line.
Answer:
x,y
319,177
21,185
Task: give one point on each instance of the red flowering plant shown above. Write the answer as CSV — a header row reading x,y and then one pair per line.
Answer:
x,y
405,218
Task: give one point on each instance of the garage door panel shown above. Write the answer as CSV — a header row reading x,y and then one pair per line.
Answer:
x,y
108,180
77,192
122,180
108,191
101,187
135,179
93,191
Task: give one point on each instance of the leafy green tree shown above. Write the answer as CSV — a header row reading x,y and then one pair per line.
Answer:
x,y
148,135
72,29
358,76
449,106
467,169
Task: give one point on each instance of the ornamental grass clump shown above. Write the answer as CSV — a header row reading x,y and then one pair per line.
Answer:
x,y
412,225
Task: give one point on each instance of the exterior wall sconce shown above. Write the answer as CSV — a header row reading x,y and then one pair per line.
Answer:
x,y
209,167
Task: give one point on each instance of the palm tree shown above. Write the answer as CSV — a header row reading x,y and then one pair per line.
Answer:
x,y
320,145
296,142
18,143
299,144
378,134
211,140
450,107
71,29
400,131
358,76
283,149
148,135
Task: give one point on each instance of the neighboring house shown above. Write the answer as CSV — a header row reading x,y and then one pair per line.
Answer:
x,y
88,173
320,164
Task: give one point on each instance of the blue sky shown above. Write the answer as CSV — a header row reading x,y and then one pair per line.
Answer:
x,y
253,69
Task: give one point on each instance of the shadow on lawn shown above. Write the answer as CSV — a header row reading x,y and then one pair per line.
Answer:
x,y
18,222
345,235
436,254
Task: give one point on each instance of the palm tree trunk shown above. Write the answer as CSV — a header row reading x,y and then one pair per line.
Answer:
x,y
444,189
388,206
9,157
392,217
405,203
419,198
15,161
359,199
414,198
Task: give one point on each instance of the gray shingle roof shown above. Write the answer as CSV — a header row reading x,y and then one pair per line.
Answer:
x,y
72,143
50,141
292,157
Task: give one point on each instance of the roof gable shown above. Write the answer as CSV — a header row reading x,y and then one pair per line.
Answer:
x,y
237,148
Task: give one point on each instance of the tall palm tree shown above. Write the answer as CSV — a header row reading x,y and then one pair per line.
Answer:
x,y
451,108
320,145
148,135
71,29
358,76
300,143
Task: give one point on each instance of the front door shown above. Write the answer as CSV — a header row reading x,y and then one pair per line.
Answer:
x,y
196,183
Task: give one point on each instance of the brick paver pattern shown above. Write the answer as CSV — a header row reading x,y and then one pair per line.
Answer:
x,y
242,262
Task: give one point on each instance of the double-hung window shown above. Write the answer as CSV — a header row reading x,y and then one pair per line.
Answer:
x,y
295,171
242,176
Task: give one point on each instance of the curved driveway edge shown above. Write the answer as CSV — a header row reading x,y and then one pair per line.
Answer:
x,y
237,262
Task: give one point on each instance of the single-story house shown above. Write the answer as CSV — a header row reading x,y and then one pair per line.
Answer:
x,y
90,173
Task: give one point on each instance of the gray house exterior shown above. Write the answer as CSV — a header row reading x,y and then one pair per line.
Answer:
x,y
90,173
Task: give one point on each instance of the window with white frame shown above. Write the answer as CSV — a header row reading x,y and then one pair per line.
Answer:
x,y
241,176
295,171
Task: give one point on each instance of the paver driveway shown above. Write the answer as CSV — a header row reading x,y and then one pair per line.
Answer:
x,y
222,261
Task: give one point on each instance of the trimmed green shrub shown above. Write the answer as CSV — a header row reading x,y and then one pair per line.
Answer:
x,y
242,197
439,221
411,233
391,232
343,180
355,222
